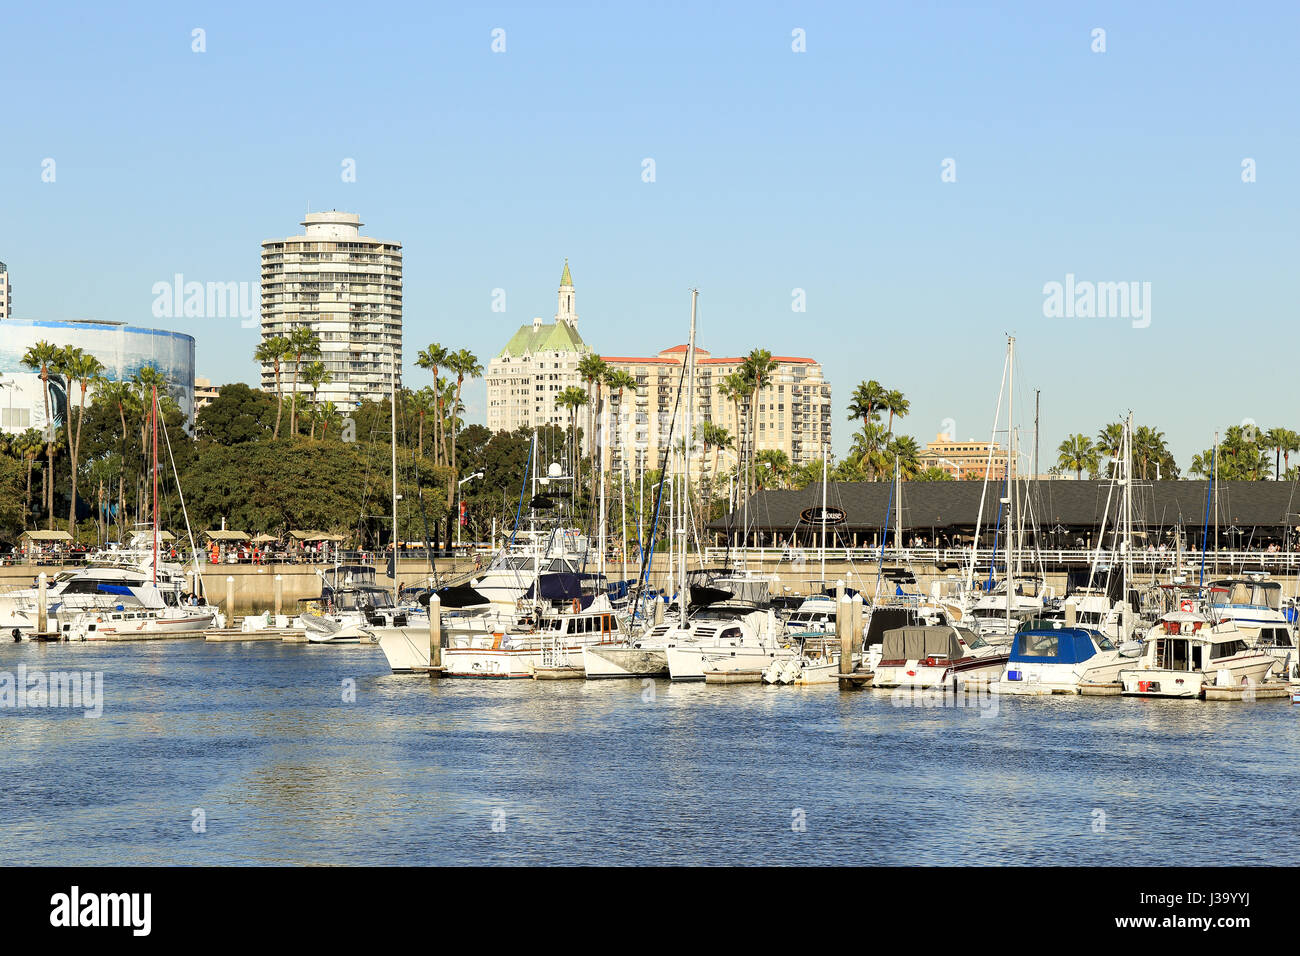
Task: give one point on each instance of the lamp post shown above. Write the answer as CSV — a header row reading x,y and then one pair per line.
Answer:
x,y
477,474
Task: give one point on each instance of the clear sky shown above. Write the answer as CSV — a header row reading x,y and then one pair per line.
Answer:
x,y
775,170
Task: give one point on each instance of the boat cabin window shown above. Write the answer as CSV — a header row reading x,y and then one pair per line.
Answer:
x,y
1104,643
973,640
1174,654
1226,649
1275,637
1037,645
730,634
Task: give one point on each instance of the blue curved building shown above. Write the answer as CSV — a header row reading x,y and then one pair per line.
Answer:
x,y
124,350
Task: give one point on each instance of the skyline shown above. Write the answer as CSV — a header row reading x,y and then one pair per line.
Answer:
x,y
774,171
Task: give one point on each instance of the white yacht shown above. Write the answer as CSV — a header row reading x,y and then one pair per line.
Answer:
x,y
724,638
989,616
510,573
1251,602
553,640
1056,660
1187,650
924,657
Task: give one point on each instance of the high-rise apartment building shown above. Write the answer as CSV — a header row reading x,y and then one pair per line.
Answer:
x,y
6,293
347,288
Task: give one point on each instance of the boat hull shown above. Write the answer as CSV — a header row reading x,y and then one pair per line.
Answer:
x,y
602,663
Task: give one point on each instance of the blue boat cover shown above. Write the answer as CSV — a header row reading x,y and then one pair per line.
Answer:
x,y
1066,645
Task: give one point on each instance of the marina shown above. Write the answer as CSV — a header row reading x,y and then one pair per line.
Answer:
x,y
415,771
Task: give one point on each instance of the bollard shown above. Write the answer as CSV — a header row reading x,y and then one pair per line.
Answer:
x,y
279,595
435,631
659,611
844,627
230,600
1071,613
42,604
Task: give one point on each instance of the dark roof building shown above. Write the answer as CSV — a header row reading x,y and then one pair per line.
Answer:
x,y
1249,513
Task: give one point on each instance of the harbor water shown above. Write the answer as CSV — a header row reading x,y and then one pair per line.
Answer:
x,y
297,754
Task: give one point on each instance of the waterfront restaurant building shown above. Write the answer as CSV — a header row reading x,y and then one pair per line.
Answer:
x,y
1066,515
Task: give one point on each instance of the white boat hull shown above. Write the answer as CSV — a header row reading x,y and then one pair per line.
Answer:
x,y
612,661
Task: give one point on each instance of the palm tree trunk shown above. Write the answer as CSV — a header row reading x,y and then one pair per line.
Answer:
x,y
279,401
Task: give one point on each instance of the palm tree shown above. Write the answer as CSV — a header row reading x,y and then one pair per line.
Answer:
x,y
592,369
304,344
1078,452
466,366
27,446
1109,442
868,398
866,403
327,414
41,357
423,402
904,451
757,370
732,388
895,404
119,395
272,351
315,375
617,381
431,359
86,370
572,398
773,462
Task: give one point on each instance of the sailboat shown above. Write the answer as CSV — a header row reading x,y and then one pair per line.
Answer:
x,y
137,593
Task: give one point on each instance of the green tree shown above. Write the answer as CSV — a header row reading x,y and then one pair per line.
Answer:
x,y
1077,453
84,370
431,359
238,414
273,351
41,358
304,344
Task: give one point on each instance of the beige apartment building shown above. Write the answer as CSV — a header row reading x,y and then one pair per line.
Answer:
x,y
6,293
965,459
348,289
793,412
205,393
538,363
541,360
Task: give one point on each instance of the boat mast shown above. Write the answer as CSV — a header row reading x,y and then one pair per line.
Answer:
x,y
393,410
153,412
825,454
687,441
1011,470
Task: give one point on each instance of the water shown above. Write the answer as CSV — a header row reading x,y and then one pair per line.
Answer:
x,y
259,737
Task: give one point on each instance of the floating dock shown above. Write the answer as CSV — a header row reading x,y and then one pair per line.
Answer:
x,y
1248,693
234,634
733,677
1101,690
564,672
856,679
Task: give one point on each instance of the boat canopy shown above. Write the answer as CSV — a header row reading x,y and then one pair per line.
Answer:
x,y
1065,645
918,643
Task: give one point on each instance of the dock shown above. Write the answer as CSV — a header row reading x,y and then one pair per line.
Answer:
x,y
227,635
1101,690
1249,693
733,677
563,672
855,680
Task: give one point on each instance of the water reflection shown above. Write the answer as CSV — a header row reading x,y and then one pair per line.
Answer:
x,y
261,738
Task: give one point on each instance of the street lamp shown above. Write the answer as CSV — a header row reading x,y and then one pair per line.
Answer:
x,y
459,519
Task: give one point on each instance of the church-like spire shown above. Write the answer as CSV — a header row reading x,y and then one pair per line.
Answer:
x,y
567,312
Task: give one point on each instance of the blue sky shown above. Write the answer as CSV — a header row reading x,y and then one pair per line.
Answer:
x,y
775,170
